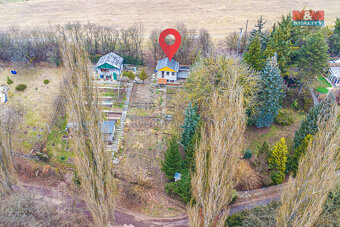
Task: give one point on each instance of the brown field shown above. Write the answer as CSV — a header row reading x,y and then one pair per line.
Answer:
x,y
219,16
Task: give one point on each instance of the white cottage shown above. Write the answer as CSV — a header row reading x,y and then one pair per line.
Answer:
x,y
110,67
167,71
170,71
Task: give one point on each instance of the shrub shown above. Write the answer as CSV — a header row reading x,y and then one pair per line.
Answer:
x,y
277,161
9,81
42,156
247,177
295,105
284,117
21,87
46,81
247,154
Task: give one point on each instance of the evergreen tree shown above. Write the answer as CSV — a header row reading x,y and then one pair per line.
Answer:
x,y
270,95
172,159
334,40
265,149
143,76
131,75
317,113
254,57
277,161
312,59
280,42
191,148
299,152
182,188
190,123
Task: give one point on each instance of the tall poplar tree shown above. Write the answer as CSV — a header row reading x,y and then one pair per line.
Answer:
x,y
270,95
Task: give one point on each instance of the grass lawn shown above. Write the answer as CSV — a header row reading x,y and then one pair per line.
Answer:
x,y
322,85
255,137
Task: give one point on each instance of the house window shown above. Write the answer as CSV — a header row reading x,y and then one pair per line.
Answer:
x,y
173,73
162,74
104,70
167,80
167,73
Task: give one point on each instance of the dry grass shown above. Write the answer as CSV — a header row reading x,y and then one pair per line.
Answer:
x,y
219,17
37,101
247,177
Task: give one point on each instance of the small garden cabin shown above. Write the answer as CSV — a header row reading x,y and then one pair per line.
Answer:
x,y
170,71
110,67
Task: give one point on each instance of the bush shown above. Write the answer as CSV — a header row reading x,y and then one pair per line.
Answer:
x,y
284,117
21,87
295,105
9,81
247,154
46,81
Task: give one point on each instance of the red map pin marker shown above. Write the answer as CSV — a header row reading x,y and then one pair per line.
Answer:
x,y
170,50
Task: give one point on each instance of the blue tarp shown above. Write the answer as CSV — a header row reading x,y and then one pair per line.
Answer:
x,y
108,127
14,72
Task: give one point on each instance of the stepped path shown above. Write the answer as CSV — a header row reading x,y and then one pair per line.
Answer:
x,y
120,128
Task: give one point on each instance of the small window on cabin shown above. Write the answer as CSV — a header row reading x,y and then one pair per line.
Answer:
x,y
173,73
162,74
167,73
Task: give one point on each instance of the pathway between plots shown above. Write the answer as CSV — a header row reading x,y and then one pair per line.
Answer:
x,y
120,128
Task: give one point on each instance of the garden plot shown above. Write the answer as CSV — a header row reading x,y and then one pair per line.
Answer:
x,y
37,102
141,151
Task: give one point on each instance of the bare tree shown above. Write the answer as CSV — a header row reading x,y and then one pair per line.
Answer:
x,y
9,118
217,157
303,198
93,163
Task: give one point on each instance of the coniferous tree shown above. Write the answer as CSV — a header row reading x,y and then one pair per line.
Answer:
x,y
173,161
334,40
312,59
143,76
191,147
280,42
254,57
182,187
190,123
277,161
309,125
270,95
299,152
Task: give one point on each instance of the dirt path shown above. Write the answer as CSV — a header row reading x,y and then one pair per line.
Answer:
x,y
126,218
